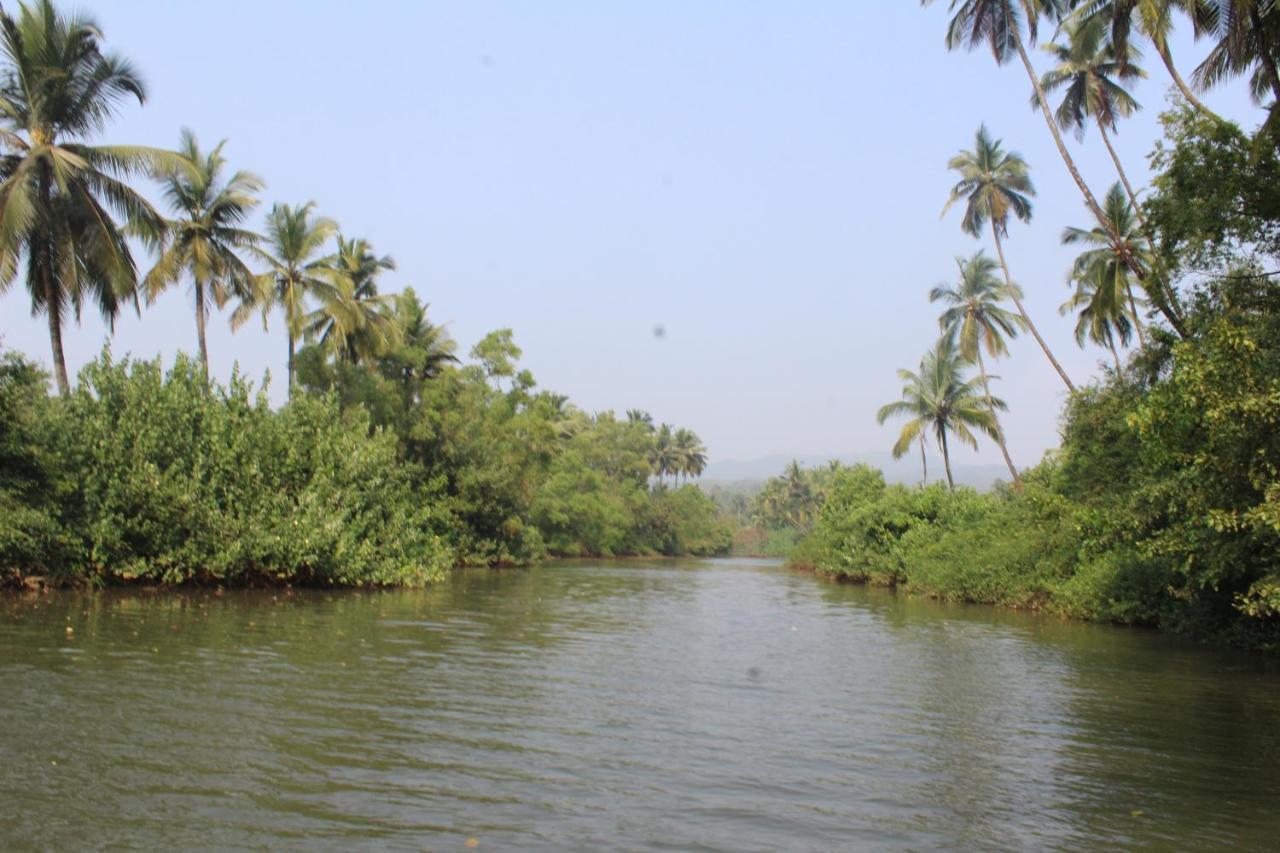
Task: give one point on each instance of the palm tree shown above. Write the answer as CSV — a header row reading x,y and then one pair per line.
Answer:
x,y
994,184
1085,70
975,320
1248,40
1101,317
690,456
205,239
998,24
641,418
294,238
353,321
939,398
59,196
1155,20
1093,80
420,349
662,452
1105,262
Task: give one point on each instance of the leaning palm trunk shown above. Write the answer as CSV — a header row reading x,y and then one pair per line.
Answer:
x,y
1115,355
924,463
1017,301
1166,300
1162,48
1133,312
991,407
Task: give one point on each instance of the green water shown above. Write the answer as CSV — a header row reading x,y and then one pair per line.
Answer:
x,y
723,705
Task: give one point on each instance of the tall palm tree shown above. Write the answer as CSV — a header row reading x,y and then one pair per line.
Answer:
x,y
975,321
939,398
1101,317
993,185
353,321
1093,83
59,196
999,24
1085,71
1104,262
1155,19
296,271
206,238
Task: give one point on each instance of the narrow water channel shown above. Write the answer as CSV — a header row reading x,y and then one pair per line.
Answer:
x,y
716,705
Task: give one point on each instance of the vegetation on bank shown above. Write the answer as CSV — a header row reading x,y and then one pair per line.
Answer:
x,y
392,459
1162,506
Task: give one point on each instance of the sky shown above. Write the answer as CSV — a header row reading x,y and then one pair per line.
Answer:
x,y
762,180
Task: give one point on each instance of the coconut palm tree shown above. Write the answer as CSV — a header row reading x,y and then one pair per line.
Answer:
x,y
639,417
940,399
690,456
1101,317
419,349
1093,83
61,198
1155,20
1247,36
206,238
1105,261
662,452
353,321
296,272
993,185
998,24
1085,71
975,321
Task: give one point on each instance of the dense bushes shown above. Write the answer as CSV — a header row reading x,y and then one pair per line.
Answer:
x,y
370,480
160,478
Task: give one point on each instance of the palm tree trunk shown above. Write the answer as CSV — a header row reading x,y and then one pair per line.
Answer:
x,y
204,346
1167,300
1111,344
1013,294
1133,312
991,407
53,309
290,334
924,463
1162,48
946,459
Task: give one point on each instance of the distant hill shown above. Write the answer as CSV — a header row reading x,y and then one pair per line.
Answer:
x,y
736,474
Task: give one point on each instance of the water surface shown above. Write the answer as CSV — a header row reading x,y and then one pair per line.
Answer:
x,y
719,705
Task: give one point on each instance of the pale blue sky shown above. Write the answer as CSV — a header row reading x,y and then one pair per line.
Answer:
x,y
762,179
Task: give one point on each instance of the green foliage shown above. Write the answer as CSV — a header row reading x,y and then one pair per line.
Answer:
x,y
167,479
32,538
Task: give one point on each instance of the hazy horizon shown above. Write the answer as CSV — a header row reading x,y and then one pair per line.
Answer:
x,y
760,182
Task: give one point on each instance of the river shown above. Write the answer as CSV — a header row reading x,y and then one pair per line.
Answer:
x,y
701,705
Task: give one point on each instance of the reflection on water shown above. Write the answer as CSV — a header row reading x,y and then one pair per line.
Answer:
x,y
706,705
